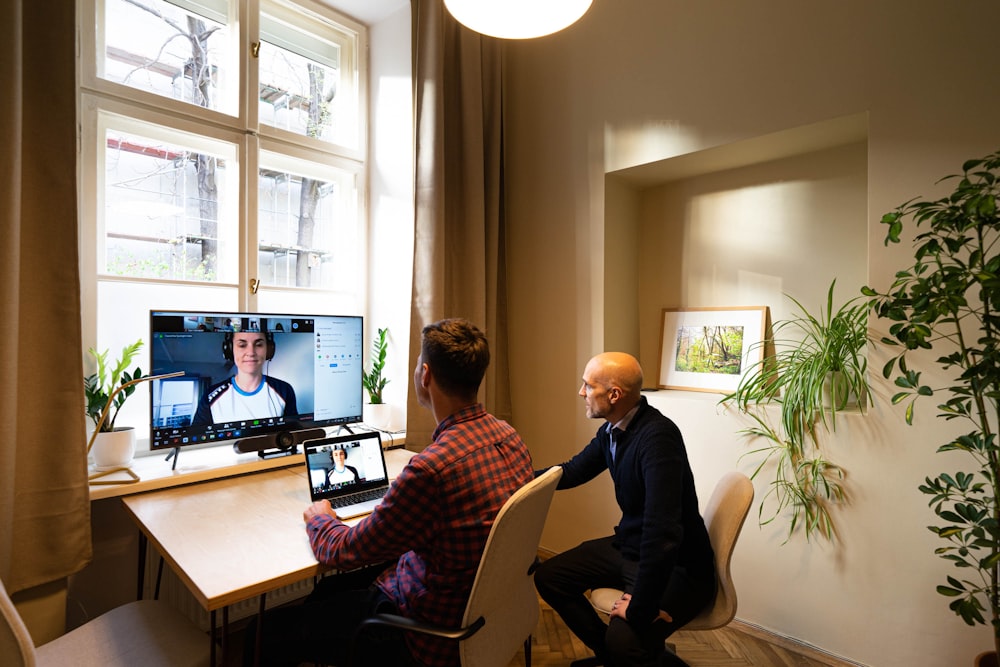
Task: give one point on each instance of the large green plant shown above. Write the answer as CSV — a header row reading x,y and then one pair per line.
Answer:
x,y
948,299
814,366
372,380
99,386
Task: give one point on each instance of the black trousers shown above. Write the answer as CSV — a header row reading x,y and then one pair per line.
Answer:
x,y
321,629
562,580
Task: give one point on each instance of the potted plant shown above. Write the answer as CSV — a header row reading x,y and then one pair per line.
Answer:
x,y
106,391
374,383
813,368
947,300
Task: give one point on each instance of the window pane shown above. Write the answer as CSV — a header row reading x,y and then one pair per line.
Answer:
x,y
307,227
302,86
161,48
167,213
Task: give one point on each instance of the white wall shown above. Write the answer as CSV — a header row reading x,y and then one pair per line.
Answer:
x,y
391,200
642,80
746,236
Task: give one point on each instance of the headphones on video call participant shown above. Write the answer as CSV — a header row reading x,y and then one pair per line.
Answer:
x,y
227,345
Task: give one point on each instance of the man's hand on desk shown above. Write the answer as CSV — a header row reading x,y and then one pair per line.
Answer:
x,y
318,508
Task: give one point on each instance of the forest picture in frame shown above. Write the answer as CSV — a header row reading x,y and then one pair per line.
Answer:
x,y
709,349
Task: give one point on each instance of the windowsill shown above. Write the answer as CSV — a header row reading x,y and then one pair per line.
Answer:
x,y
200,465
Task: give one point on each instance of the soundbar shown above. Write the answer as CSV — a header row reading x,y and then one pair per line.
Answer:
x,y
282,442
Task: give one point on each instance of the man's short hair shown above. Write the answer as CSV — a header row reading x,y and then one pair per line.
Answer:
x,y
457,353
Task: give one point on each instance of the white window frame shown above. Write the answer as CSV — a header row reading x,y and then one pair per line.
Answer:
x,y
98,96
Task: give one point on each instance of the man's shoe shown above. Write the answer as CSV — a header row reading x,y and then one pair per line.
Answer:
x,y
592,661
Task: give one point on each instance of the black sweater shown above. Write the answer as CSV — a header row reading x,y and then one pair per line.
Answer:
x,y
660,526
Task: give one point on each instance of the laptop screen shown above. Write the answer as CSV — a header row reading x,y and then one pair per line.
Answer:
x,y
345,464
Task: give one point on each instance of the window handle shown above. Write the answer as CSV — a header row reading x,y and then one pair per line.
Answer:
x,y
255,49
254,285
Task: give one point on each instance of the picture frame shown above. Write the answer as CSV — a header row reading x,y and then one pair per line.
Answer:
x,y
686,363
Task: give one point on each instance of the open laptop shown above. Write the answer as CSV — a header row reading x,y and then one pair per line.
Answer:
x,y
348,470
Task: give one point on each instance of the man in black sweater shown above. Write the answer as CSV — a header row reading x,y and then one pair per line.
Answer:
x,y
660,554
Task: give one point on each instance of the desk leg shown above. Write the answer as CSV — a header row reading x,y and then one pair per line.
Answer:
x,y
141,569
159,578
211,639
260,630
225,635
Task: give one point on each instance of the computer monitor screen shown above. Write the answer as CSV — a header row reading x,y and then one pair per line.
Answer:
x,y
251,374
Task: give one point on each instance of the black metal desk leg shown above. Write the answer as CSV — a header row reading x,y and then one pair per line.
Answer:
x,y
225,635
141,570
260,630
159,578
211,639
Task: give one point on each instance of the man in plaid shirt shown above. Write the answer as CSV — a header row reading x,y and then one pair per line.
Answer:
x,y
418,552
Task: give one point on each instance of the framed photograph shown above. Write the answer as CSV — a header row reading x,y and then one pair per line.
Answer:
x,y
710,349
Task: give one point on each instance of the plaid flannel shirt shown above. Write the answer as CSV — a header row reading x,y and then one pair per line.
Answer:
x,y
434,520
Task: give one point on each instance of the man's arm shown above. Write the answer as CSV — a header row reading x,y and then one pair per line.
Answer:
x,y
320,508
663,463
585,466
399,524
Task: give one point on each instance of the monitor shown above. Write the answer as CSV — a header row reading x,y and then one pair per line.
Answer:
x,y
252,376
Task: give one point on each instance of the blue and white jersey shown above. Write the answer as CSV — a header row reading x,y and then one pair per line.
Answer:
x,y
226,402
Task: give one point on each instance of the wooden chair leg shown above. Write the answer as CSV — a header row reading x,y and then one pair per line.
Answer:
x,y
527,652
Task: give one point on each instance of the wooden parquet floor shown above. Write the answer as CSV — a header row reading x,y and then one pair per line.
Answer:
x,y
736,645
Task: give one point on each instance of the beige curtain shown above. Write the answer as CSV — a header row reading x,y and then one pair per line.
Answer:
x,y
459,250
44,504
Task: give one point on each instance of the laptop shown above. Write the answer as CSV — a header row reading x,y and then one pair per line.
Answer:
x,y
348,470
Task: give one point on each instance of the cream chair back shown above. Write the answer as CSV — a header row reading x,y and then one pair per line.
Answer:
x,y
724,516
503,592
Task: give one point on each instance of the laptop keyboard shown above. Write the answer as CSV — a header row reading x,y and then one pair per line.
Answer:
x,y
373,494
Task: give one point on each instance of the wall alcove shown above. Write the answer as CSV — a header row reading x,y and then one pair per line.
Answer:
x,y
740,224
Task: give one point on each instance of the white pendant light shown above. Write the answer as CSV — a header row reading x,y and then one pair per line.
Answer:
x,y
517,19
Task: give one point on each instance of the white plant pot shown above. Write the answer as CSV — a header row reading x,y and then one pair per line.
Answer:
x,y
114,449
378,415
836,393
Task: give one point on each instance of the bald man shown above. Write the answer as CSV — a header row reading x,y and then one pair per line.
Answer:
x,y
659,554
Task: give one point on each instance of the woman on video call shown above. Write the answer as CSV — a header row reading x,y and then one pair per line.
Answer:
x,y
249,394
340,473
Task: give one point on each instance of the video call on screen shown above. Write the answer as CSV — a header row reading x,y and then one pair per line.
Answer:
x,y
321,357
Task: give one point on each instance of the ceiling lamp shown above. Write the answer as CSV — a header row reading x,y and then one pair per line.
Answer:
x,y
517,19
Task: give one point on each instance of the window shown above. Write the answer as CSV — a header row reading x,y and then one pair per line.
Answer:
x,y
307,85
165,193
222,162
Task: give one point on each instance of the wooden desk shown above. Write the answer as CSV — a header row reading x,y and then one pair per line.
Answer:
x,y
201,465
233,539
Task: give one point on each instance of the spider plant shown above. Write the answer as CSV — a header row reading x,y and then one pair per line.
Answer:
x,y
816,368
